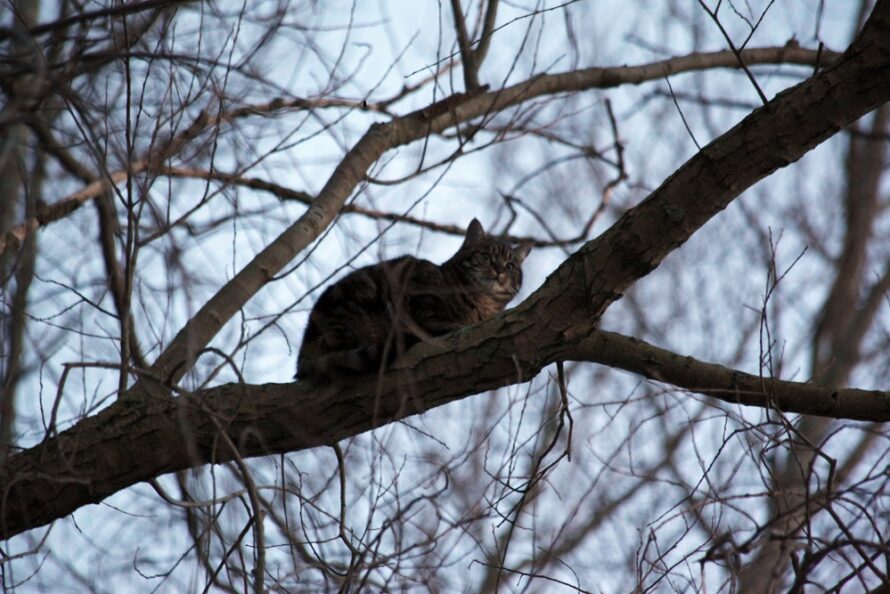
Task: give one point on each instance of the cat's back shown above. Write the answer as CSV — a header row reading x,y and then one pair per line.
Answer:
x,y
354,308
353,317
377,283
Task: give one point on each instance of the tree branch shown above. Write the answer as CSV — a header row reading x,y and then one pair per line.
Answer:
x,y
491,13
467,55
114,11
284,193
124,445
590,78
730,385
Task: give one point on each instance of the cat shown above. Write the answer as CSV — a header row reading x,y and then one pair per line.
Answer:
x,y
364,321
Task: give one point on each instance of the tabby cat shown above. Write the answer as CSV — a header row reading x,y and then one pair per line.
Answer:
x,y
368,318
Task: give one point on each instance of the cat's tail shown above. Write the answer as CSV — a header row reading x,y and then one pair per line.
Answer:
x,y
349,362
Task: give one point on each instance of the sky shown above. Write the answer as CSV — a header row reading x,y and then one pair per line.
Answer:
x,y
390,45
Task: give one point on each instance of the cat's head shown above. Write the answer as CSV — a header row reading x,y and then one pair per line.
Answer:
x,y
492,266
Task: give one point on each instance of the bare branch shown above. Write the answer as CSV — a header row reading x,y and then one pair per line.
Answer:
x,y
590,78
114,11
730,385
468,56
65,472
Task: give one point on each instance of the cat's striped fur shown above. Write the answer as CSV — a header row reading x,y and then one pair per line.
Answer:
x,y
372,315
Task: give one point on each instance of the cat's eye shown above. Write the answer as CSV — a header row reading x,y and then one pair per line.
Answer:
x,y
484,259
511,266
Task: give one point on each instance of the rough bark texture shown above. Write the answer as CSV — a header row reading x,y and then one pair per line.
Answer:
x,y
148,433
129,443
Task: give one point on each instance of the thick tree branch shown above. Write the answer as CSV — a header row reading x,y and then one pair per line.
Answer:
x,y
730,385
124,445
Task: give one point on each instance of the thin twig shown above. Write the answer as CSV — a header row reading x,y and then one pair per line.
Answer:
x,y
737,53
565,412
680,111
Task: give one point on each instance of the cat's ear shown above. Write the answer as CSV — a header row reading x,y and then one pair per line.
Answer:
x,y
521,251
475,232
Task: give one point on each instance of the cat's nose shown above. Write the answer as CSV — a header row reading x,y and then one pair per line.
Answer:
x,y
503,278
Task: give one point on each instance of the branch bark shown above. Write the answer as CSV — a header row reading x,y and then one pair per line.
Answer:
x,y
730,385
124,445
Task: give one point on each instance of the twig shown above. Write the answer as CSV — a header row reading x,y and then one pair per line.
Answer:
x,y
680,111
737,53
565,412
